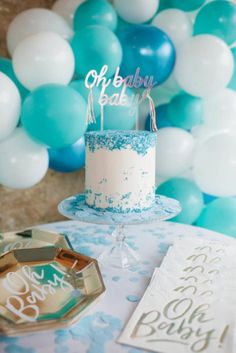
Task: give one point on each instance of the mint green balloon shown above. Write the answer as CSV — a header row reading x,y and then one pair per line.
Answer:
x,y
94,47
185,111
185,5
117,117
189,196
219,215
217,18
95,13
80,87
54,115
7,68
232,83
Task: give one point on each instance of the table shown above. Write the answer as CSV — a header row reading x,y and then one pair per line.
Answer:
x,y
99,328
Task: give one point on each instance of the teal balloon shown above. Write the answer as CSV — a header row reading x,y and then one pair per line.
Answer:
x,y
164,4
219,215
94,47
80,87
185,5
95,13
232,83
189,196
185,111
217,18
7,68
117,117
54,115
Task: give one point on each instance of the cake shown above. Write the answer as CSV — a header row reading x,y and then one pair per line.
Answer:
x,y
120,170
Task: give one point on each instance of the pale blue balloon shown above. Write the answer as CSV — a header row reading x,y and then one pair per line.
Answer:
x,y
54,115
189,196
94,47
95,13
185,111
219,215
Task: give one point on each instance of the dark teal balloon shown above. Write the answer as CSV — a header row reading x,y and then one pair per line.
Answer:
x,y
7,68
68,159
217,18
164,4
232,83
185,111
185,5
54,115
94,47
189,196
219,215
80,87
95,13
148,48
208,198
161,118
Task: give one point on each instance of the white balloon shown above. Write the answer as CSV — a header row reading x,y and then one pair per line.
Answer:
x,y
33,21
136,11
10,105
43,58
204,65
215,165
175,23
67,8
23,162
171,85
175,149
220,109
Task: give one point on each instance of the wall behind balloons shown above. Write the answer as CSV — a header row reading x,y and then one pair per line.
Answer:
x,y
196,101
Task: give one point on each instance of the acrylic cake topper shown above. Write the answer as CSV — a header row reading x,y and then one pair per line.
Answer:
x,y
94,78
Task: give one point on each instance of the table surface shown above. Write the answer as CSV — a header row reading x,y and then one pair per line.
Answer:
x,y
99,328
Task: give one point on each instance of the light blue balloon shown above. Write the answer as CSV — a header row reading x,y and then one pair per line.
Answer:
x,y
68,159
185,111
7,68
80,87
219,215
117,117
94,47
232,83
189,196
54,115
95,13
219,19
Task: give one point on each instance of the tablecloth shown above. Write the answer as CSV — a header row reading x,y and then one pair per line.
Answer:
x,y
99,328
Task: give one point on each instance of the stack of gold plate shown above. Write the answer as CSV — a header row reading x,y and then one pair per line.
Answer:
x,y
44,284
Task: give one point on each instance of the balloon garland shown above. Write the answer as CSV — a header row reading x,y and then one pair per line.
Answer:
x,y
188,48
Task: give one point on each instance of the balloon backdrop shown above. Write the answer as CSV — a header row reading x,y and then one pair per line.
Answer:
x,y
66,9
136,11
204,65
148,48
94,47
185,111
95,13
7,68
68,159
215,165
220,109
189,196
54,115
219,215
43,58
34,21
175,23
23,162
10,104
217,18
175,149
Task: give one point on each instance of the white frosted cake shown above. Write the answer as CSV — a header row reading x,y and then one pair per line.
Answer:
x,y
120,170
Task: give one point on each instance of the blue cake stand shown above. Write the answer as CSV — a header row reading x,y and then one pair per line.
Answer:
x,y
120,255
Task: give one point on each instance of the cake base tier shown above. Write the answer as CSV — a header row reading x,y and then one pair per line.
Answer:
x,y
75,208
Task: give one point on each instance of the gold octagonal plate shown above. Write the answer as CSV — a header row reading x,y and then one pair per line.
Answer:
x,y
45,288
